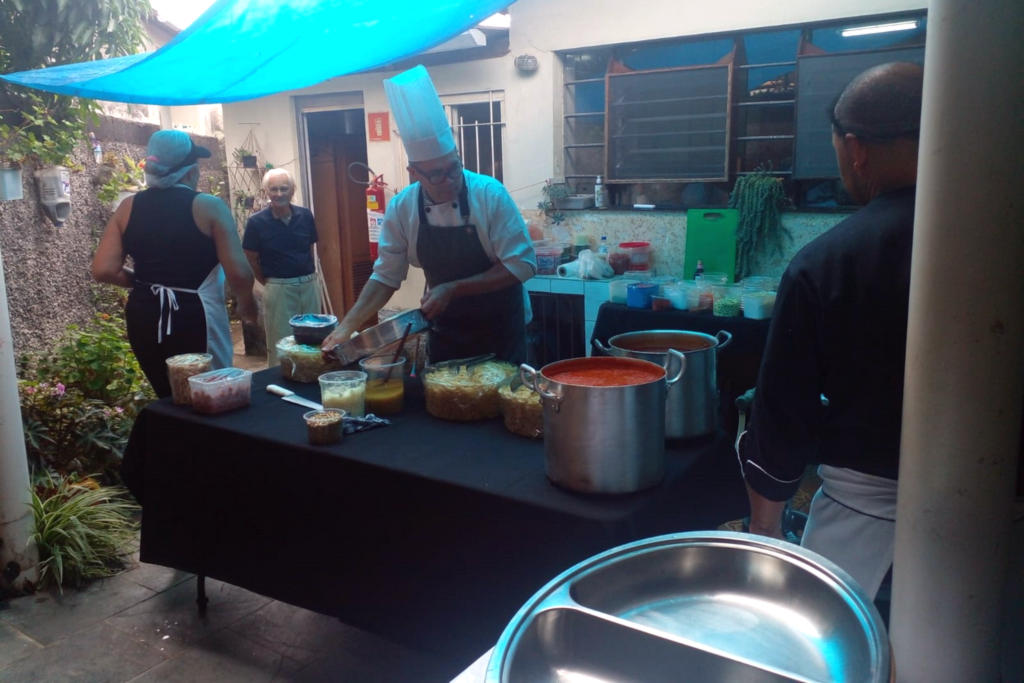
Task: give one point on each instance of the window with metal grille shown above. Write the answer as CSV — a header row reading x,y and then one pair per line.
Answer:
x,y
479,129
631,112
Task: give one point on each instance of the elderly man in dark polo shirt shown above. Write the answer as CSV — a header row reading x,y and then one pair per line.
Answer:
x,y
278,242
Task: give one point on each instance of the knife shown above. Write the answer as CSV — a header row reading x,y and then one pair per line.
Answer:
x,y
292,397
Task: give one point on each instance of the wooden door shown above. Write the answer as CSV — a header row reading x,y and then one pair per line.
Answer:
x,y
340,208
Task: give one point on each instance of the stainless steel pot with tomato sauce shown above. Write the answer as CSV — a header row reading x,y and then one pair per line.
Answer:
x,y
691,408
604,421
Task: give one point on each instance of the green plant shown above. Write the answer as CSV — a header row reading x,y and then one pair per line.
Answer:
x,y
215,186
46,131
98,361
760,199
127,174
82,530
552,192
67,432
44,127
241,153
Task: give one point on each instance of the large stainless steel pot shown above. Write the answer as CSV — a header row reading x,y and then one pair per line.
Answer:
x,y
699,606
603,439
692,405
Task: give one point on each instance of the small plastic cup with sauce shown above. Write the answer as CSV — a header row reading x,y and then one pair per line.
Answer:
x,y
385,384
324,426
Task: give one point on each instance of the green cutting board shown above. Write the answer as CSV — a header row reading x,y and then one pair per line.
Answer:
x,y
711,237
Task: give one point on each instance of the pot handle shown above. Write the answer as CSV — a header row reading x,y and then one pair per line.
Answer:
x,y
601,347
723,338
672,353
529,377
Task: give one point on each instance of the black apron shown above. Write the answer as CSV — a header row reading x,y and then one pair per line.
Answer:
x,y
471,325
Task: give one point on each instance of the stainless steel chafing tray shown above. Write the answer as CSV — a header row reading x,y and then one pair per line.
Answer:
x,y
370,340
698,606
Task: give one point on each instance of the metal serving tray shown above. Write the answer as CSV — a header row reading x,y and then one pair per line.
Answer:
x,y
699,606
370,340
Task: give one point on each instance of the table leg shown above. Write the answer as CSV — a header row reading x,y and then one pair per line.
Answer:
x,y
201,594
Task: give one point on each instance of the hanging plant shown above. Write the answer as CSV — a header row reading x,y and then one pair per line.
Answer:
x,y
760,200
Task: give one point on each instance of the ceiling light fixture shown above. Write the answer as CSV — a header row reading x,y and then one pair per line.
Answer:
x,y
879,28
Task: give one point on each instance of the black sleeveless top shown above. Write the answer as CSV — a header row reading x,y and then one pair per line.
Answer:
x,y
164,241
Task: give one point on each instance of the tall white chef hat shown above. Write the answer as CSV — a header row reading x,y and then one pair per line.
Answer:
x,y
419,115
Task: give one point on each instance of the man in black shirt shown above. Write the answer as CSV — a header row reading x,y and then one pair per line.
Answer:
x,y
279,243
830,389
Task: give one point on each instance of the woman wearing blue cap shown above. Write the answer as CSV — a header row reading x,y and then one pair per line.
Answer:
x,y
182,244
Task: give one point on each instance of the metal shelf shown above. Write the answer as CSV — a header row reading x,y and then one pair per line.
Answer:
x,y
764,102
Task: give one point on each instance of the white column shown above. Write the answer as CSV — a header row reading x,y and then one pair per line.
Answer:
x,y
16,522
965,349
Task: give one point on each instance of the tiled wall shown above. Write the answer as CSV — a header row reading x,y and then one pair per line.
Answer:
x,y
666,231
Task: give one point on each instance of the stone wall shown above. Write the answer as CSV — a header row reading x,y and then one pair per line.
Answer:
x,y
47,268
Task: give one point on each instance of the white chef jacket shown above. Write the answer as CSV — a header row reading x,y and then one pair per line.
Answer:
x,y
498,222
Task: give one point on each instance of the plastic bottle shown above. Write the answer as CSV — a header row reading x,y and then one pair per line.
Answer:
x,y
97,149
600,194
602,250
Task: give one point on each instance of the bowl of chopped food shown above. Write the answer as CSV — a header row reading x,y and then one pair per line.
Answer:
x,y
465,392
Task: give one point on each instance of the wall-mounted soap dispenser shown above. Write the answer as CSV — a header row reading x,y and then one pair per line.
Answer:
x,y
55,193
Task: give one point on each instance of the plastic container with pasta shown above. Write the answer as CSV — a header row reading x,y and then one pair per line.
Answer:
x,y
522,411
180,368
302,362
465,393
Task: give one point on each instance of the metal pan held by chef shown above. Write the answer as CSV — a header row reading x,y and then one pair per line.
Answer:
x,y
372,339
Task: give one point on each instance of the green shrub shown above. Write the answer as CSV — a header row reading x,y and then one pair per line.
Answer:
x,y
78,409
68,432
98,361
82,530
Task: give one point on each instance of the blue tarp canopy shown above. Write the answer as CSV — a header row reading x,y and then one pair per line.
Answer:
x,y
241,49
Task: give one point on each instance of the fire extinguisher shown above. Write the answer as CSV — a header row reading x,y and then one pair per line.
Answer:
x,y
375,204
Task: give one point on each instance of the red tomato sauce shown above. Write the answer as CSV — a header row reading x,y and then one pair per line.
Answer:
x,y
607,376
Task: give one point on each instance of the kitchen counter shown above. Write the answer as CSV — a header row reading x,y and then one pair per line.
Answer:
x,y
428,532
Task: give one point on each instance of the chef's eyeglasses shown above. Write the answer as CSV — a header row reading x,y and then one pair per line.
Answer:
x,y
438,175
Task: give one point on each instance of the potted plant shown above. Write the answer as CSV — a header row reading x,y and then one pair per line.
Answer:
x,y
123,177
554,193
244,157
760,199
244,200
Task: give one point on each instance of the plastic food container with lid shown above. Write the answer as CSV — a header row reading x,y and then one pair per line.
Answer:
x,y
758,305
639,254
638,294
303,362
312,328
726,299
465,393
221,390
180,368
548,258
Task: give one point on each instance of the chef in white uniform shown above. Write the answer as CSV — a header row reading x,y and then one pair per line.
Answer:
x,y
461,228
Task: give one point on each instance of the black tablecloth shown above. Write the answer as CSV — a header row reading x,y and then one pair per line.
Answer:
x,y
738,362
432,533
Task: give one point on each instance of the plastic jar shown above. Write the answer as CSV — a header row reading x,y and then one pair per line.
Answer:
x,y
639,254
638,294
727,299
548,259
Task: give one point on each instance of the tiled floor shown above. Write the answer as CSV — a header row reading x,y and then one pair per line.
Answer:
x,y
143,625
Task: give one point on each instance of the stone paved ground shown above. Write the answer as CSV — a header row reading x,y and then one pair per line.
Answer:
x,y
142,625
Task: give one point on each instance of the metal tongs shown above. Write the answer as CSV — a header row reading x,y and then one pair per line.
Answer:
x,y
459,362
